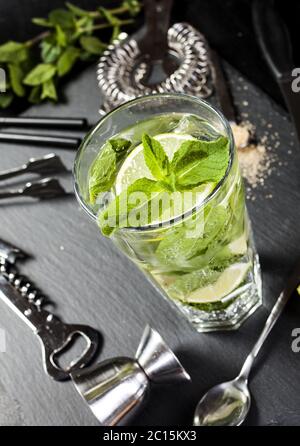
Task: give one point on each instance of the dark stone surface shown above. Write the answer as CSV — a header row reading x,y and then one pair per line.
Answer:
x,y
91,282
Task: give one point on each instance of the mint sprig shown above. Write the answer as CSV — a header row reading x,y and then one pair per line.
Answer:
x,y
196,162
71,34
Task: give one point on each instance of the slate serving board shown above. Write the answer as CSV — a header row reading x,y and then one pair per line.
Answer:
x,y
92,283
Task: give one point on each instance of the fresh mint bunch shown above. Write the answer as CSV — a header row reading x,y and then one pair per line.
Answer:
x,y
195,163
33,68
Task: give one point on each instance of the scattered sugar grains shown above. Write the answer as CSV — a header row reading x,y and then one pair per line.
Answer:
x,y
256,158
254,163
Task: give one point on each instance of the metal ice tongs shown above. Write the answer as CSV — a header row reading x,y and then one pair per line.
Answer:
x,y
44,188
55,336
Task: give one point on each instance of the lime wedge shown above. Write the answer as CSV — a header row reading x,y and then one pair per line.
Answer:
x,y
227,282
134,167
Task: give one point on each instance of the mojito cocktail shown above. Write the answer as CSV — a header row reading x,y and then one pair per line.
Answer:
x,y
160,175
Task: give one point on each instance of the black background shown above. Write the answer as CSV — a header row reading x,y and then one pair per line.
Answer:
x,y
226,23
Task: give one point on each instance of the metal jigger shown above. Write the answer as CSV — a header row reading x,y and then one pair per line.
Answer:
x,y
117,388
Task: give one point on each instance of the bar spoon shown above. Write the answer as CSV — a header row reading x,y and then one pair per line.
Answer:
x,y
228,404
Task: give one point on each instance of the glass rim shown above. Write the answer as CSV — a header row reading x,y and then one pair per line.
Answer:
x,y
172,221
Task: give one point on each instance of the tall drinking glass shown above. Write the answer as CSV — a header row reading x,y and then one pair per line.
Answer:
x,y
202,259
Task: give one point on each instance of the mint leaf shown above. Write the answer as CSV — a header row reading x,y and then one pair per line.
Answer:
x,y
119,144
35,94
103,171
133,6
40,74
40,21
62,18
77,11
189,151
198,162
187,283
156,158
102,174
67,60
168,183
61,36
92,45
49,90
117,213
6,99
13,52
50,51
16,77
179,250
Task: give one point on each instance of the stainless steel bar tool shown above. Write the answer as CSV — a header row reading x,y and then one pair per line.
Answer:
x,y
10,253
157,59
48,164
63,142
43,189
55,336
117,388
36,121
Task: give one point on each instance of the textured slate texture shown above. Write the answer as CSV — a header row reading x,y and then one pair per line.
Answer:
x,y
91,282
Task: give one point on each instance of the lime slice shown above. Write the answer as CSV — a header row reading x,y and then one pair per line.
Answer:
x,y
239,246
134,167
228,281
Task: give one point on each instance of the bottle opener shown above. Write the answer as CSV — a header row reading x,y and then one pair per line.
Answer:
x,y
55,335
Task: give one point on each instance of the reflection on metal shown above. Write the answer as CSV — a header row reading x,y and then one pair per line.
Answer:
x,y
116,389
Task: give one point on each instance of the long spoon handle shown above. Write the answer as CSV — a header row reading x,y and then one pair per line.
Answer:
x,y
282,300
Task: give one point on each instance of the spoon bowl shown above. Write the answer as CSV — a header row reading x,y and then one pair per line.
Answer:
x,y
226,404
